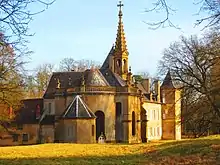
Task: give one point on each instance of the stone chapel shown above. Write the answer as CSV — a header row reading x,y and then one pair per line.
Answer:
x,y
78,107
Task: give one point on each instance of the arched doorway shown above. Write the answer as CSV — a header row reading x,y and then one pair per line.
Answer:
x,y
100,123
143,125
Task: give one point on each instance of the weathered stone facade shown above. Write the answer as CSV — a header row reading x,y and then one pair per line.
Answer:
x,y
79,107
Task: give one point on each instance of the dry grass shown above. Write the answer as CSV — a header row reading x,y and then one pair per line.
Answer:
x,y
199,151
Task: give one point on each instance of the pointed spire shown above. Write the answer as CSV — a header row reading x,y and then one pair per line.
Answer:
x,y
120,44
167,82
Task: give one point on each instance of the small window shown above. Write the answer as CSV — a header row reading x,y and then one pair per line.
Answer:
x,y
70,131
15,137
154,115
153,131
158,131
19,126
159,117
150,132
25,138
125,65
118,62
93,130
49,108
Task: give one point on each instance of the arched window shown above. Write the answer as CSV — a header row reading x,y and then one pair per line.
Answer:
x,y
100,123
125,65
118,62
133,124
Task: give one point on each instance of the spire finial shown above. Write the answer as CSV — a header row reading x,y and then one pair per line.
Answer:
x,y
120,43
120,5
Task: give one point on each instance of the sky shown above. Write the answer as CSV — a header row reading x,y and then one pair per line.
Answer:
x,y
86,29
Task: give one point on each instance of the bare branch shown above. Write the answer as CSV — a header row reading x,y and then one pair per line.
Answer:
x,y
162,6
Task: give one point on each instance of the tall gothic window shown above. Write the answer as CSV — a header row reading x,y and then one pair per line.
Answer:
x,y
133,124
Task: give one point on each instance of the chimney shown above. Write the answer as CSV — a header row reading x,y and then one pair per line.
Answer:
x,y
146,84
157,89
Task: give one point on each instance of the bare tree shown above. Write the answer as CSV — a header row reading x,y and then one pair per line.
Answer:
x,y
87,64
43,75
191,62
210,7
144,74
16,16
36,84
69,64
14,22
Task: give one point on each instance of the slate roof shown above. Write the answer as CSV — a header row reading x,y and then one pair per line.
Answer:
x,y
95,78
140,87
168,82
92,77
67,79
78,109
112,78
105,64
48,120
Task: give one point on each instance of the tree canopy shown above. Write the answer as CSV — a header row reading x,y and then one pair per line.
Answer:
x,y
14,31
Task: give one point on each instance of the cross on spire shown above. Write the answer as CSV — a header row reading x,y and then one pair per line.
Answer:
x,y
120,6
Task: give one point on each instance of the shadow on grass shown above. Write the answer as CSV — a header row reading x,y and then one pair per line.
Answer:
x,y
189,147
198,151
107,160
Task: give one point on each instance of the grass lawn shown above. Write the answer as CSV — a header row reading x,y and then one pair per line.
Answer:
x,y
198,151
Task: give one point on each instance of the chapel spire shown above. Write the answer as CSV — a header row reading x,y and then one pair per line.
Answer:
x,y
120,44
120,51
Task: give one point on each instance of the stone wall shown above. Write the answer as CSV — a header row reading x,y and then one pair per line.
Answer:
x,y
76,131
134,106
28,135
86,131
171,114
47,133
60,105
106,104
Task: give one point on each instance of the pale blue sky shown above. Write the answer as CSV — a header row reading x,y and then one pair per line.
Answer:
x,y
87,29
